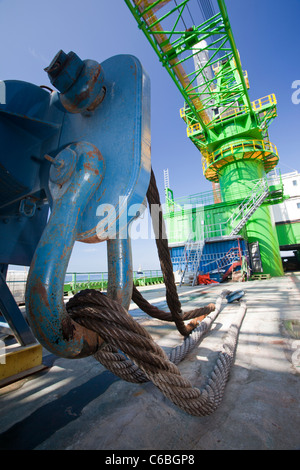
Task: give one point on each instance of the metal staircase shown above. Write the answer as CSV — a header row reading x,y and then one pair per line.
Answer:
x,y
193,249
166,179
230,261
247,208
191,259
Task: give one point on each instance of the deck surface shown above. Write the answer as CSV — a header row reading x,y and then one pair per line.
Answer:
x,y
79,405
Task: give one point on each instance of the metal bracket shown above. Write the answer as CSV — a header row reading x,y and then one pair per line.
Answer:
x,y
106,107
44,293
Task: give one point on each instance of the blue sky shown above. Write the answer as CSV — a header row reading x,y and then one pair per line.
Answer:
x,y
268,39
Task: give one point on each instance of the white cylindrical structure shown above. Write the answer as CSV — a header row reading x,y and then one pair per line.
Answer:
x,y
201,57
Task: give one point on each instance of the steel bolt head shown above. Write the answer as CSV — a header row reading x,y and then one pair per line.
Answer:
x,y
61,173
64,70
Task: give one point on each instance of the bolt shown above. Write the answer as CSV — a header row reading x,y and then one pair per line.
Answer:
x,y
64,70
56,163
63,166
56,65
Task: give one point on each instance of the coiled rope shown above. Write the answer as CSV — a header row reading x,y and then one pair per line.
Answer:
x,y
148,361
129,350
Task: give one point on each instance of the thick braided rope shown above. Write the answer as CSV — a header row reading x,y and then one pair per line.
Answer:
x,y
159,229
127,370
198,314
178,353
97,312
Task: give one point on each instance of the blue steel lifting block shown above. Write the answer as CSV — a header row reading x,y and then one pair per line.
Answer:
x,y
84,152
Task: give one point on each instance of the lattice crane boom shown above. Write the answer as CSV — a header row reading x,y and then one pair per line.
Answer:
x,y
144,12
203,61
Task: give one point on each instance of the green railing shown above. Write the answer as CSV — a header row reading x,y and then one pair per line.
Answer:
x,y
207,198
74,282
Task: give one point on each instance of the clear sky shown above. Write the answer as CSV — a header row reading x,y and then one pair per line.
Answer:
x,y
268,38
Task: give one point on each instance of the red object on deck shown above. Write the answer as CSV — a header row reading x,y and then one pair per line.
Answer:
x,y
205,279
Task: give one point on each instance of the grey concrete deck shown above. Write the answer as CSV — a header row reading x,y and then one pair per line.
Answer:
x,y
78,404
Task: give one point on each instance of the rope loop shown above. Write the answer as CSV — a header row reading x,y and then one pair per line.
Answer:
x,y
129,350
131,353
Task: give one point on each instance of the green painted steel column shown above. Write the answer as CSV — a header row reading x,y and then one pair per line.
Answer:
x,y
261,228
238,178
236,181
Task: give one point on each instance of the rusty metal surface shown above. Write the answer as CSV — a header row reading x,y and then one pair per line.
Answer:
x,y
44,294
125,146
120,274
100,114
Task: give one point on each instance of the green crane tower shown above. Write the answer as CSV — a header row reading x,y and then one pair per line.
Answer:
x,y
230,131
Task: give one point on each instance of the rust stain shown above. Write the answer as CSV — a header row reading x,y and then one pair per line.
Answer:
x,y
95,153
88,167
94,74
40,290
92,239
68,329
64,327
136,394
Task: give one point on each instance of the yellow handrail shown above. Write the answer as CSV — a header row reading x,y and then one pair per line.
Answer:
x,y
256,105
245,145
261,102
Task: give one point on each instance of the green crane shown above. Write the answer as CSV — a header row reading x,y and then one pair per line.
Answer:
x,y
229,129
